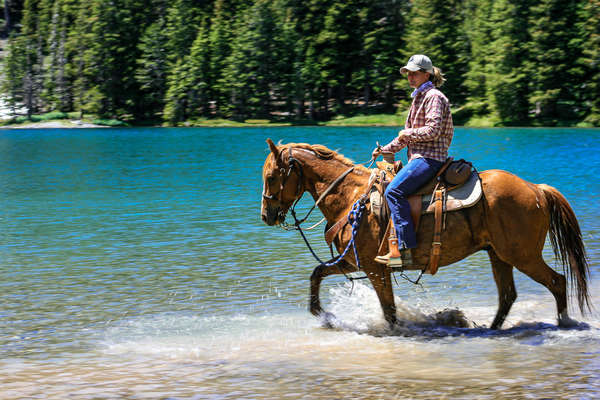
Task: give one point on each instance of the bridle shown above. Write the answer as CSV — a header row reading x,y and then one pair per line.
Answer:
x,y
294,163
354,217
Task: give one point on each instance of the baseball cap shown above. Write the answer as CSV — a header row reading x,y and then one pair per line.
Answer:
x,y
417,62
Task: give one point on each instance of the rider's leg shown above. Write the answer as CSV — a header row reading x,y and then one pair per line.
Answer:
x,y
415,174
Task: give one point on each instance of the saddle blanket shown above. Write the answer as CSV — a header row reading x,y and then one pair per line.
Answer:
x,y
464,196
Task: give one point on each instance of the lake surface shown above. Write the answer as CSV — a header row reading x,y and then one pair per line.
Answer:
x,y
134,264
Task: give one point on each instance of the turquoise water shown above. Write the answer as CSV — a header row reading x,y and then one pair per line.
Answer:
x,y
133,263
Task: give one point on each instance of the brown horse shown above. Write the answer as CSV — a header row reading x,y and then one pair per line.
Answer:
x,y
510,223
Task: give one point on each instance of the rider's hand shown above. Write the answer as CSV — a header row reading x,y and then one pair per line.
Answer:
x,y
376,152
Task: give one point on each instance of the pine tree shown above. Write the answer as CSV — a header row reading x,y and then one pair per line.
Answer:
x,y
220,39
153,68
14,73
58,84
478,26
550,60
497,80
339,47
13,11
534,61
434,28
198,74
252,67
176,99
79,39
29,52
101,58
182,23
290,63
379,70
108,35
507,80
306,18
589,61
188,83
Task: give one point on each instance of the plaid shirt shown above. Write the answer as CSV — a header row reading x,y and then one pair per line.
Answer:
x,y
429,123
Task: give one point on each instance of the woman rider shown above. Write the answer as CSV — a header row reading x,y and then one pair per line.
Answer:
x,y
426,135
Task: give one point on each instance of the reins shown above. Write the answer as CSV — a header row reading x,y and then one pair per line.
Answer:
x,y
321,197
354,217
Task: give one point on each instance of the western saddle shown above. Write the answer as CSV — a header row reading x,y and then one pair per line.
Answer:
x,y
455,186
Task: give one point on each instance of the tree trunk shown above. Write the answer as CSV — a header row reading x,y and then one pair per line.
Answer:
x,y
311,106
7,16
341,99
299,99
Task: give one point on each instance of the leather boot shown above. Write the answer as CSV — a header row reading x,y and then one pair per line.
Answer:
x,y
403,259
393,252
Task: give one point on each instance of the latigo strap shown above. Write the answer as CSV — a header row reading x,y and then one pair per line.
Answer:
x,y
436,245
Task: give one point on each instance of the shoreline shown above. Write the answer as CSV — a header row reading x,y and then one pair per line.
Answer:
x,y
57,124
383,120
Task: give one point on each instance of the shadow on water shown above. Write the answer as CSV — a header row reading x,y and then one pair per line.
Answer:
x,y
452,323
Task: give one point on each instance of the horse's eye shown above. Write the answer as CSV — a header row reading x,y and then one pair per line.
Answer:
x,y
270,179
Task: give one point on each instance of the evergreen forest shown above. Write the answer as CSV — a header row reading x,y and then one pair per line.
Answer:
x,y
508,62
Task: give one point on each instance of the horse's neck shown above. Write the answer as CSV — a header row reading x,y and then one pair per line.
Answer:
x,y
337,203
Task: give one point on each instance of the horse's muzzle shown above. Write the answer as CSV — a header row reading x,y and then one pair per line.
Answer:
x,y
272,215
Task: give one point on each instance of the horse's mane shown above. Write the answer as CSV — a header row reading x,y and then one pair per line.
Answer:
x,y
322,152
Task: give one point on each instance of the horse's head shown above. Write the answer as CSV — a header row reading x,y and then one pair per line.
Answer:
x,y
282,184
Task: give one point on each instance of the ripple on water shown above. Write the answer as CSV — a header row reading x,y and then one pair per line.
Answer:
x,y
136,266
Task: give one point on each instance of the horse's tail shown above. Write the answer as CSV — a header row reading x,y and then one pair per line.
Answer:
x,y
567,243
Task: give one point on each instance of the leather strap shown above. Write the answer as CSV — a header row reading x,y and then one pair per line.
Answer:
x,y
384,240
436,245
444,167
416,208
394,251
335,229
333,185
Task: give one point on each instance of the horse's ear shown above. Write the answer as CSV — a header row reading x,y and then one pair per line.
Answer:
x,y
273,148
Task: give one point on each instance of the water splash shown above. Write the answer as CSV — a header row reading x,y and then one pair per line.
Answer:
x,y
359,311
356,309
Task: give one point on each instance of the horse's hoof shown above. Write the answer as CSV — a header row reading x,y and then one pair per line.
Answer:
x,y
572,324
564,321
327,320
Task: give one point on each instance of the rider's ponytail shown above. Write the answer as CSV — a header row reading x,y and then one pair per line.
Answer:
x,y
437,77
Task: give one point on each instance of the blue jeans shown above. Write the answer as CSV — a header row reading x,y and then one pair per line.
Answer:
x,y
415,174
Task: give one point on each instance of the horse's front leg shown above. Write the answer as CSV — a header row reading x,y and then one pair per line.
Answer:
x,y
317,276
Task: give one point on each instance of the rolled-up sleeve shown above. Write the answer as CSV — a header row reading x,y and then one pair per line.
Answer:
x,y
395,145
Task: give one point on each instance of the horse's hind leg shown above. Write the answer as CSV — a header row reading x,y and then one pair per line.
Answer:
x,y
320,272
507,294
556,283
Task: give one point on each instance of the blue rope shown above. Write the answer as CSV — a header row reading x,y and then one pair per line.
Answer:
x,y
354,218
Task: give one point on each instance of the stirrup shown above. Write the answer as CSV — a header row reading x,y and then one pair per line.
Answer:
x,y
385,259
405,259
